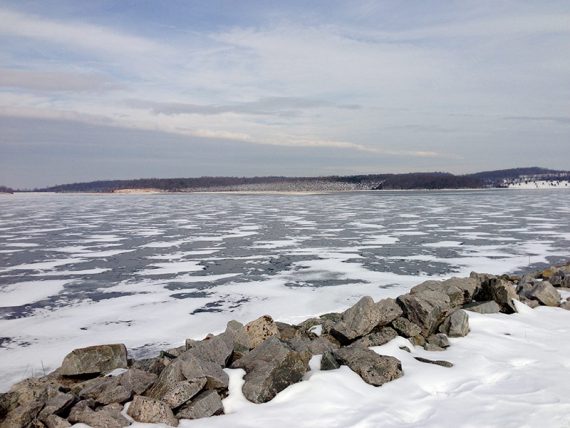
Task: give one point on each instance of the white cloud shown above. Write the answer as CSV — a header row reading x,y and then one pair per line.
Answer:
x,y
78,35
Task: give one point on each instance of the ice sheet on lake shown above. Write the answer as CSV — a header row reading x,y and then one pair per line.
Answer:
x,y
152,275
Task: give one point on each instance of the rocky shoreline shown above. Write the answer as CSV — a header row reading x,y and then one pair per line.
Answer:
x,y
101,387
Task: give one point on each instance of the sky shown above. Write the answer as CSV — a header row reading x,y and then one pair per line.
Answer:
x,y
146,88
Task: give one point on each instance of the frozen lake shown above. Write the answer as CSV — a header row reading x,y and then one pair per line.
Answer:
x,y
151,270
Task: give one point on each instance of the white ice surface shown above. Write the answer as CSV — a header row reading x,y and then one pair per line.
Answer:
x,y
27,292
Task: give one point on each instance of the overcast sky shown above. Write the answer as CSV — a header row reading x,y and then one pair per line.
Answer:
x,y
124,89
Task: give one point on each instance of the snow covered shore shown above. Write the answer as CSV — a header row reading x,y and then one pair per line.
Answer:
x,y
364,367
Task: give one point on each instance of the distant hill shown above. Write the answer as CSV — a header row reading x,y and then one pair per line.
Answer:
x,y
410,181
4,189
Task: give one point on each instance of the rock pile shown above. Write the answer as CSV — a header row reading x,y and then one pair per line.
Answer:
x,y
94,384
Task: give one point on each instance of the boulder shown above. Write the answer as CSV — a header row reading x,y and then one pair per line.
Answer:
x,y
565,305
151,365
261,329
541,291
188,370
215,377
388,311
215,349
329,362
182,392
456,324
418,340
454,293
94,360
501,291
316,346
236,335
405,327
57,404
23,415
363,317
54,421
490,307
137,381
433,348
147,410
427,309
440,340
105,390
208,403
376,338
106,417
560,278
374,369
270,368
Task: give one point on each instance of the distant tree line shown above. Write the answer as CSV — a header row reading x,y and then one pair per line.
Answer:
x,y
5,189
428,180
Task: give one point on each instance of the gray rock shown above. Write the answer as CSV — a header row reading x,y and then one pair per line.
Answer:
x,y
194,369
105,417
54,421
151,365
456,325
501,291
23,415
560,278
271,367
215,349
374,369
376,338
427,309
405,348
329,362
440,340
94,360
238,338
105,390
531,303
331,316
405,327
418,340
175,352
323,343
289,332
147,410
182,392
454,293
388,310
316,346
310,323
137,381
188,370
57,404
363,317
261,329
541,291
436,362
565,305
433,348
490,307
208,403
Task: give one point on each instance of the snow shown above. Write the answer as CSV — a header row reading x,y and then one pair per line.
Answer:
x,y
22,293
511,371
